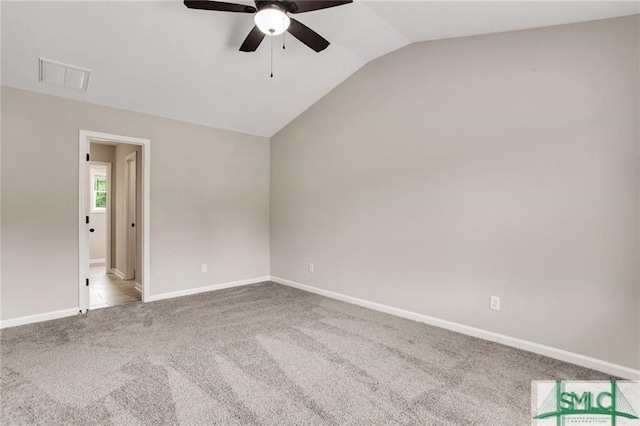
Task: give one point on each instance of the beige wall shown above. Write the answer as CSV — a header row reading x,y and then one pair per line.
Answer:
x,y
450,171
102,152
98,238
209,200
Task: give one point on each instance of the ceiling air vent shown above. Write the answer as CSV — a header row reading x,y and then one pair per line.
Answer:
x,y
59,74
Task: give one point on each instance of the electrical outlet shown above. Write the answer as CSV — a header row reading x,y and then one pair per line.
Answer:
x,y
204,267
311,268
495,303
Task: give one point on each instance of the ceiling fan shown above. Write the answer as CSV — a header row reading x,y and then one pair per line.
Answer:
x,y
271,18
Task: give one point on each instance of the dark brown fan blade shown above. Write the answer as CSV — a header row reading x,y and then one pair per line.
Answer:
x,y
301,6
219,5
253,40
307,36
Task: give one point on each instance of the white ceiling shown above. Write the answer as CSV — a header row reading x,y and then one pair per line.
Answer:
x,y
164,59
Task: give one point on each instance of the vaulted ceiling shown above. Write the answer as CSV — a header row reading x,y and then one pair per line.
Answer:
x,y
159,57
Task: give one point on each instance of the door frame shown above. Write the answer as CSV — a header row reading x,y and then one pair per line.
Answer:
x,y
84,139
107,264
129,270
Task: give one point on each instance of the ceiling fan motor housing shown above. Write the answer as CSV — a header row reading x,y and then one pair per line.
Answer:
x,y
271,17
284,6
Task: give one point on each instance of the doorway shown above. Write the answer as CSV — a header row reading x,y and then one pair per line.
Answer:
x,y
114,220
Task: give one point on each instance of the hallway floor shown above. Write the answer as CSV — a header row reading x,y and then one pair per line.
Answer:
x,y
108,290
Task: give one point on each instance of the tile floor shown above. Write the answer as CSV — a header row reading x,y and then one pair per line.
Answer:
x,y
108,290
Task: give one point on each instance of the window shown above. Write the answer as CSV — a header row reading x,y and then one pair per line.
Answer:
x,y
99,191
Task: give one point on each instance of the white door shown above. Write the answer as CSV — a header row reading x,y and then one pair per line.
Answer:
x,y
85,209
130,212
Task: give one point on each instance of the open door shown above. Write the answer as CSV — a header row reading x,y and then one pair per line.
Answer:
x,y
85,226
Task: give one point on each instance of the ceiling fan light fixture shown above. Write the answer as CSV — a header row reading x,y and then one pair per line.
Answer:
x,y
272,21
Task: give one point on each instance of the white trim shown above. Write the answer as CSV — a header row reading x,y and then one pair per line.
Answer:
x,y
205,289
84,138
39,317
117,273
574,358
98,171
138,287
97,261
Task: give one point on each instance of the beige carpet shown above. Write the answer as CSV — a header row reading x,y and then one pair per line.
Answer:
x,y
262,354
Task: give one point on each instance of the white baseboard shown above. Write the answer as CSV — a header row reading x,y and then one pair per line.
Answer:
x,y
74,311
138,287
13,322
98,262
574,358
180,293
117,273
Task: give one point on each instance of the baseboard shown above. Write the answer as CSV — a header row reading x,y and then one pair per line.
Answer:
x,y
13,322
138,287
117,273
98,262
574,358
180,293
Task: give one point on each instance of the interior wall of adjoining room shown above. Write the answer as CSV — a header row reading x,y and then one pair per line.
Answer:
x,y
450,171
98,222
115,154
106,154
120,218
209,200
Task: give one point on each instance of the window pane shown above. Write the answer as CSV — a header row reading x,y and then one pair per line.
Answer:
x,y
101,200
101,184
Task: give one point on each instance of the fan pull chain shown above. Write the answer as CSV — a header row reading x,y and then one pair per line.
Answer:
x,y
284,35
271,56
